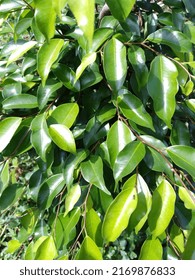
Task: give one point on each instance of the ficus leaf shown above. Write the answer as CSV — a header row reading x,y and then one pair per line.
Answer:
x,y
163,206
163,76
120,9
118,213
47,55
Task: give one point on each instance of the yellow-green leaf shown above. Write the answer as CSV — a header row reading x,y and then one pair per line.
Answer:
x,y
151,250
89,250
72,197
118,213
86,61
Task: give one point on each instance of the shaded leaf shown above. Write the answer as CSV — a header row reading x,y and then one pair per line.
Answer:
x,y
10,196
93,226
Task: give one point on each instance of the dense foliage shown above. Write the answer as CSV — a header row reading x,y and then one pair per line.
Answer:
x,y
97,129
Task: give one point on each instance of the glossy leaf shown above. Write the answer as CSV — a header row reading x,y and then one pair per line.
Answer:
x,y
8,128
174,39
47,250
59,5
187,197
71,165
40,137
21,101
47,55
140,215
128,159
118,213
93,226
189,252
137,59
100,36
83,11
92,171
12,246
48,190
120,9
118,137
184,157
67,76
88,250
72,197
20,51
45,17
45,93
62,137
180,134
65,114
10,196
191,104
163,76
115,63
177,237
85,62
163,206
151,250
133,109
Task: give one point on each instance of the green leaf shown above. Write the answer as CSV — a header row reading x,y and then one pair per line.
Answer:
x,y
163,76
163,206
83,11
180,134
191,104
151,250
67,76
177,237
45,93
72,197
46,57
92,172
137,59
20,50
93,226
128,159
133,109
115,63
118,137
4,175
189,252
187,197
45,17
47,250
65,114
22,26
71,165
118,213
100,36
29,219
184,157
10,196
86,61
88,250
174,39
59,5
40,137
62,137
48,190
8,128
120,9
12,246
140,215
21,101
